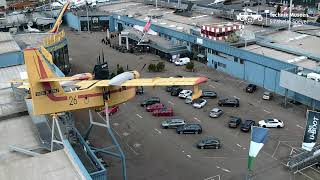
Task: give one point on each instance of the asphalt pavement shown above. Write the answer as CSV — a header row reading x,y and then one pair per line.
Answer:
x,y
156,153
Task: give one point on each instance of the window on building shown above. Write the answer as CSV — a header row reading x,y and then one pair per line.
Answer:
x,y
222,65
226,56
241,61
236,59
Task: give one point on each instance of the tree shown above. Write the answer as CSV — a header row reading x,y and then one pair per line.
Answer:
x,y
152,67
232,38
278,10
190,66
119,69
318,20
160,66
112,75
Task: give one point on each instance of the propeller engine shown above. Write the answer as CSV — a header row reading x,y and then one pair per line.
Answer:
x,y
123,77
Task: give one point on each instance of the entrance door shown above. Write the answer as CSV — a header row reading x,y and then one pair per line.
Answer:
x,y
215,65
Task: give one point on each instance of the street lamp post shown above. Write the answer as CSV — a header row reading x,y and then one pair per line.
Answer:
x,y
87,17
290,9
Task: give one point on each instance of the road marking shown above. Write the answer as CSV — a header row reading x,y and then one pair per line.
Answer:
x,y
170,102
136,145
125,134
139,116
211,86
132,149
276,149
266,111
196,119
157,131
116,124
299,126
226,170
189,156
213,177
236,97
241,146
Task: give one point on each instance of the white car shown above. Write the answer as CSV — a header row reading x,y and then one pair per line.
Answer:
x,y
272,123
199,103
185,93
182,61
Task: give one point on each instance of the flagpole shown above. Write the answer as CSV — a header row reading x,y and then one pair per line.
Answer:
x,y
249,172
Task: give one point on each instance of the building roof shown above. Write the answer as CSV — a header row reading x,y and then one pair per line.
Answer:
x,y
7,43
28,40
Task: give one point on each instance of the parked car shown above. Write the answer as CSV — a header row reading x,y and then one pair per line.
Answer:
x,y
246,125
209,143
231,102
268,123
185,93
208,94
215,112
190,128
267,95
111,110
175,91
163,112
172,123
199,103
182,61
234,122
251,88
139,90
154,107
150,101
189,100
170,88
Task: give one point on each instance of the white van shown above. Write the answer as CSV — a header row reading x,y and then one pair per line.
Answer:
x,y
314,76
182,61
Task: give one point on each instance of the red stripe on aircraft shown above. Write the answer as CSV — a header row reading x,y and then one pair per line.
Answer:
x,y
201,80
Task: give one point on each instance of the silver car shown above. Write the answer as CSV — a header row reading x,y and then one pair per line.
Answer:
x,y
172,123
215,112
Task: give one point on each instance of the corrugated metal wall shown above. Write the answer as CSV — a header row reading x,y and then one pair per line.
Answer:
x,y
11,59
72,21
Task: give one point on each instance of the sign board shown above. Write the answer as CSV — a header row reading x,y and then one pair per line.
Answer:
x,y
311,131
199,41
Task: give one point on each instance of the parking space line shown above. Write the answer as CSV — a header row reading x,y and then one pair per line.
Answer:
x,y
157,130
305,175
266,111
299,126
226,170
132,149
189,156
170,102
139,116
212,177
211,86
196,119
241,146
236,97
276,149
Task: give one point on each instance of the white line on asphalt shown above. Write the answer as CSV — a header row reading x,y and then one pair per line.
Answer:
x,y
266,111
239,145
236,97
276,149
213,177
189,156
157,130
211,86
196,119
170,102
299,126
305,175
226,170
132,149
139,116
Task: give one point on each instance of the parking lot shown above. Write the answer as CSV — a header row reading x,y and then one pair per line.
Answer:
x,y
156,153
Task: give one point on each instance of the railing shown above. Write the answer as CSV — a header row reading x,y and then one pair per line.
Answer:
x,y
53,39
304,159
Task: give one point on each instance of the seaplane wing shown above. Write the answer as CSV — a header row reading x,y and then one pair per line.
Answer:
x,y
165,81
139,28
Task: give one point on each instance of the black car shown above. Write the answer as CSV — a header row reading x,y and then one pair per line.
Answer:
x,y
231,102
251,88
175,91
150,101
246,126
169,88
189,128
209,143
139,90
208,94
234,122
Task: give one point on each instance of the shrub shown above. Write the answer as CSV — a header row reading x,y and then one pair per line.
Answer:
x,y
112,75
190,66
120,70
318,20
160,66
152,67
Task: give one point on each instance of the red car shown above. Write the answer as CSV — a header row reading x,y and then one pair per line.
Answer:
x,y
111,110
154,107
163,112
